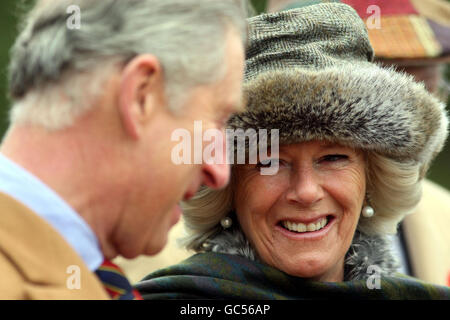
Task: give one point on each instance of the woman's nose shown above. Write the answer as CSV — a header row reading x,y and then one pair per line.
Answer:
x,y
305,188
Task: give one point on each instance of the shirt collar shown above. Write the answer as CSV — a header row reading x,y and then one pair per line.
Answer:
x,y
33,193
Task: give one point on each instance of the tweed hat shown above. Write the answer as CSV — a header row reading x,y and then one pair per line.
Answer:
x,y
309,73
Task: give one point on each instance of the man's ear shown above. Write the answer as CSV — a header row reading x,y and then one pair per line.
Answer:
x,y
141,90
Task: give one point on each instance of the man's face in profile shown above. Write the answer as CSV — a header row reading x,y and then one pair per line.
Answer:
x,y
160,184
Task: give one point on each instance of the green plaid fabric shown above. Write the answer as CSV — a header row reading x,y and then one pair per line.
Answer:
x,y
221,276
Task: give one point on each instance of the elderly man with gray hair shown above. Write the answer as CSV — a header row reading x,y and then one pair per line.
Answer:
x,y
86,169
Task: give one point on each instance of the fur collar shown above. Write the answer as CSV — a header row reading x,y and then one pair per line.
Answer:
x,y
364,252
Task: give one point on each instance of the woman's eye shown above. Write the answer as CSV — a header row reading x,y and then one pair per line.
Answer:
x,y
334,157
268,163
264,163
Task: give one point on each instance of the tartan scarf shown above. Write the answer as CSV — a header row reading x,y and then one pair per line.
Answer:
x,y
214,275
365,251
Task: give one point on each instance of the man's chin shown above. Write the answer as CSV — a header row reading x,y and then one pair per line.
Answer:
x,y
156,247
176,215
159,240
151,249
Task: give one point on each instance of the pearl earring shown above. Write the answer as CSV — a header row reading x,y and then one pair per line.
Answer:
x,y
368,212
226,222
206,245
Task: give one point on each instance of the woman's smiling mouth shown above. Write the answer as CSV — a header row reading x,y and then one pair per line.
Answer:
x,y
313,229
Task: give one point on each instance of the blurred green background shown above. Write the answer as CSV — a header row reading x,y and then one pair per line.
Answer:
x,y
9,15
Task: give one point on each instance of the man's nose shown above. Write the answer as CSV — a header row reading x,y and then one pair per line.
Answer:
x,y
216,170
216,176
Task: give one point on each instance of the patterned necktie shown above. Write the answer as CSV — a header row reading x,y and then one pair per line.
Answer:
x,y
115,282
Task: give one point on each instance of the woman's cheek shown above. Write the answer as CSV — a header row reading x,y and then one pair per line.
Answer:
x,y
349,184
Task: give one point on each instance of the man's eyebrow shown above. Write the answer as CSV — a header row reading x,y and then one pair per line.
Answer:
x,y
232,108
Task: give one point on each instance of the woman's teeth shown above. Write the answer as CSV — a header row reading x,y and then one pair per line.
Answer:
x,y
301,227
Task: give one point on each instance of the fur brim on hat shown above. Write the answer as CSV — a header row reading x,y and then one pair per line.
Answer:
x,y
362,105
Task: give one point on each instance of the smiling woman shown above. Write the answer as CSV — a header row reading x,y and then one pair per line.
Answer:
x,y
356,141
302,219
